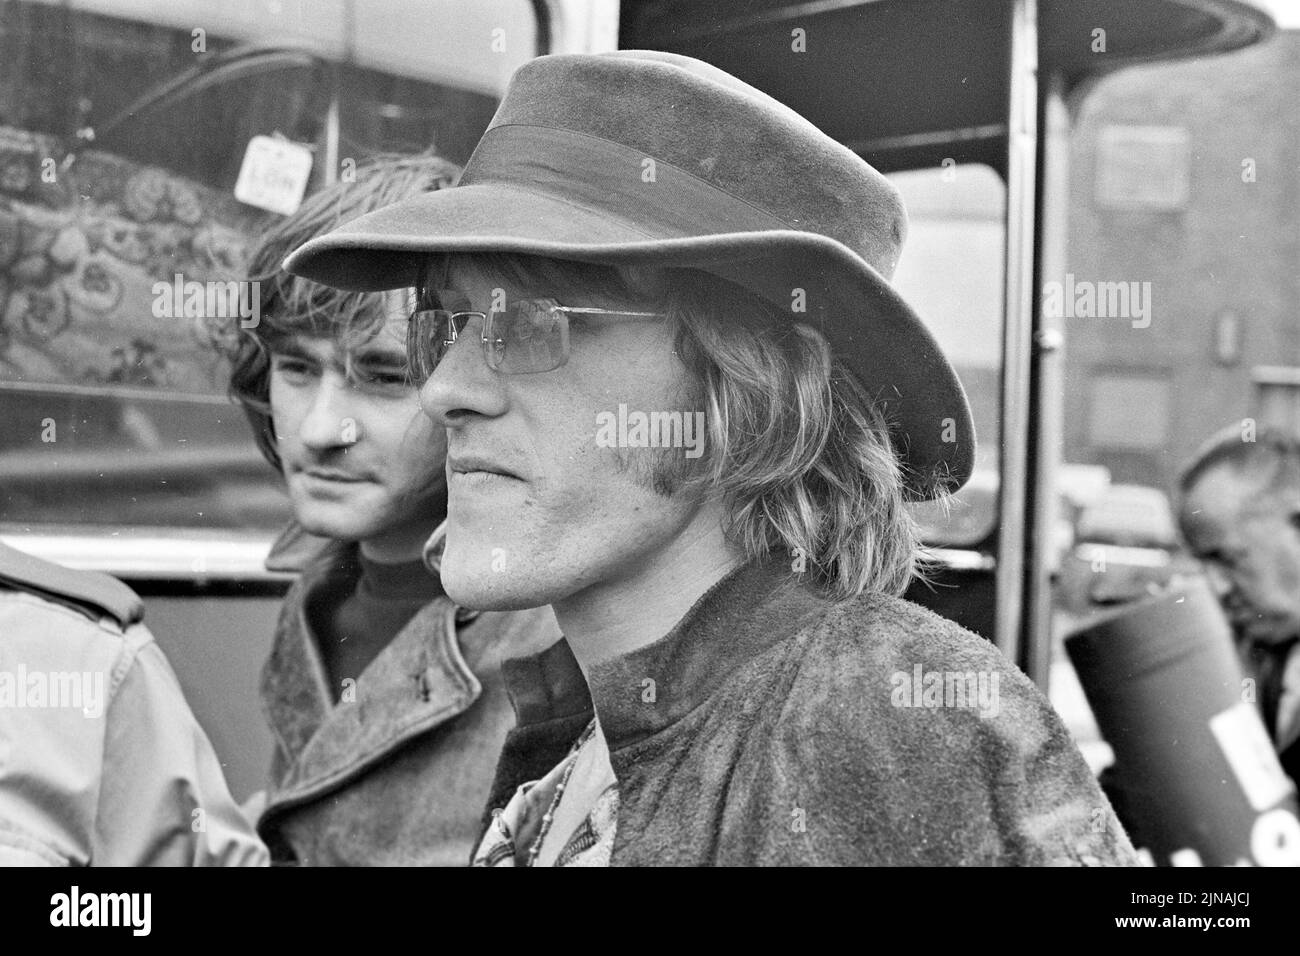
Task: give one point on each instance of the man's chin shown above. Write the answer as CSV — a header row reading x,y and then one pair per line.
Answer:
x,y
339,524
485,584
479,595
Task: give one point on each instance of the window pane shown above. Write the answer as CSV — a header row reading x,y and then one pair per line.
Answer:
x,y
952,272
113,407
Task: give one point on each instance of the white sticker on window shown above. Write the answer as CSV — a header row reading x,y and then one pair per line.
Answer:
x,y
274,174
1244,741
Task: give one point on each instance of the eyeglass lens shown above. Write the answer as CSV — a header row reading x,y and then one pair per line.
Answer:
x,y
528,336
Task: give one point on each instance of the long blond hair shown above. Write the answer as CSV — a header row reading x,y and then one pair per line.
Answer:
x,y
796,448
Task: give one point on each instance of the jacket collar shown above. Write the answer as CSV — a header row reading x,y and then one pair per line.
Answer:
x,y
419,680
640,693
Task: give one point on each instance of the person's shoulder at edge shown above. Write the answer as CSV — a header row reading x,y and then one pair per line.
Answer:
x,y
148,788
171,774
888,699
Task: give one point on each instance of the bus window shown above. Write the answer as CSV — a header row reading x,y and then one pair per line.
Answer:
x,y
124,127
952,271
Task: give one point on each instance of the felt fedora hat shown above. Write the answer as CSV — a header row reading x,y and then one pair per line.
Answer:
x,y
640,157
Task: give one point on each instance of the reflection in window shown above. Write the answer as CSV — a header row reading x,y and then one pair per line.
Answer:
x,y
122,134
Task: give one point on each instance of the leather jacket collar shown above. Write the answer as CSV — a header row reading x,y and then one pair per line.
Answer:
x,y
740,617
419,680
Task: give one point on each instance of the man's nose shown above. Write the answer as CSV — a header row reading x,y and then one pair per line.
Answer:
x,y
462,384
328,423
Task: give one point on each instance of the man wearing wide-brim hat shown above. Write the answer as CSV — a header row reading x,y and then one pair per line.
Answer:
x,y
686,408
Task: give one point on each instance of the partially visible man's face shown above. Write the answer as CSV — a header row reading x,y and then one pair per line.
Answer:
x,y
360,459
1250,543
538,509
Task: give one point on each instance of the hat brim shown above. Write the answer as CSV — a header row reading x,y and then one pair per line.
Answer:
x,y
869,326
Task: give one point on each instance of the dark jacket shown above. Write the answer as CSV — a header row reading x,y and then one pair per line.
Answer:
x,y
398,776
771,726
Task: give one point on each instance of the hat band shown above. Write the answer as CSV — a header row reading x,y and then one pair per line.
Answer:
x,y
645,195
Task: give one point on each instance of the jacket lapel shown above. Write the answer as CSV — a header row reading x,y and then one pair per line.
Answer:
x,y
418,681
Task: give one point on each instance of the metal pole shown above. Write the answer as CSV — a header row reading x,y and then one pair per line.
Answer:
x,y
1017,342
1047,395
333,130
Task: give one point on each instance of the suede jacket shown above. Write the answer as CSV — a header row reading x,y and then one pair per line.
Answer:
x,y
771,726
398,775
